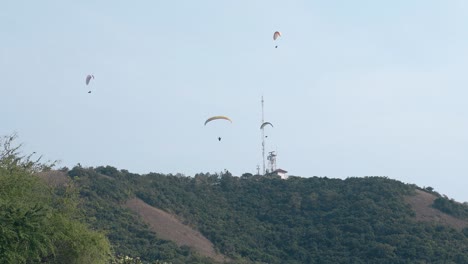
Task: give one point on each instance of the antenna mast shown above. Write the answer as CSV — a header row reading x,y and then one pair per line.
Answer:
x,y
263,140
272,161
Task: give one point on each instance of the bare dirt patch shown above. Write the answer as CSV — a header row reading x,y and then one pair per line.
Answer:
x,y
166,226
422,206
54,178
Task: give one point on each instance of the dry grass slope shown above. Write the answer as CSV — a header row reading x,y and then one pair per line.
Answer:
x,y
54,178
422,205
166,226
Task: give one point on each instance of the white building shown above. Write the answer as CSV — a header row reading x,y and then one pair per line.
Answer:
x,y
282,173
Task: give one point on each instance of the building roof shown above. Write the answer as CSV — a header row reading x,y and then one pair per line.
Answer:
x,y
280,171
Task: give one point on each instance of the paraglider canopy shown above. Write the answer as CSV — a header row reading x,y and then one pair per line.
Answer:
x,y
266,123
276,35
88,78
216,118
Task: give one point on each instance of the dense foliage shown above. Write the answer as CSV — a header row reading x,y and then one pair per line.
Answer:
x,y
37,225
255,219
250,219
103,190
451,207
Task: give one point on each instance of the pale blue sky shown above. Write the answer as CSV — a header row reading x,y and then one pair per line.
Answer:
x,y
355,88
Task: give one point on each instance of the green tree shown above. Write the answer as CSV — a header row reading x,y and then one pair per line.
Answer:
x,y
37,225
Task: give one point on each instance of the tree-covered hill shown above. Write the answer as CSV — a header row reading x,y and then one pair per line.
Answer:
x,y
88,215
255,219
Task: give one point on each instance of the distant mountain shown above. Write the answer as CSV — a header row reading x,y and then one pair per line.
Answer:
x,y
214,218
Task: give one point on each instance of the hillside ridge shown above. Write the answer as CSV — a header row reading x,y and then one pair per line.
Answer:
x,y
422,202
212,218
170,228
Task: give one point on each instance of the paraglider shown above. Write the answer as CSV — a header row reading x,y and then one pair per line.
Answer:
x,y
218,118
276,35
88,79
266,123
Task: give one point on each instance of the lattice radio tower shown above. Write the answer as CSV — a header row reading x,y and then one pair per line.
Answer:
x,y
272,161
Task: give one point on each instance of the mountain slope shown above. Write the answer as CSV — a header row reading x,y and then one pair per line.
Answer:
x,y
170,228
268,220
422,203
